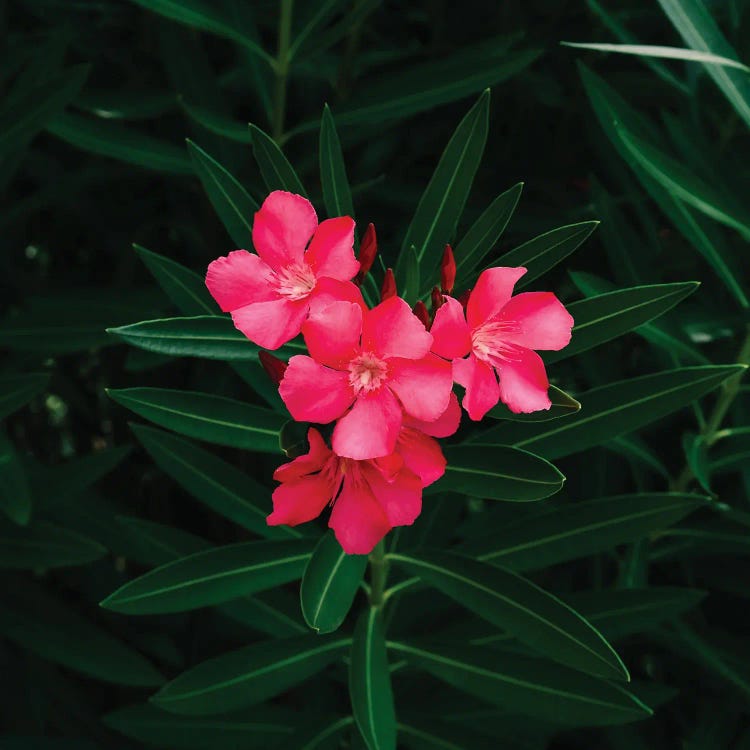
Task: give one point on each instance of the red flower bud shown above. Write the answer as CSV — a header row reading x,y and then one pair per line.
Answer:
x,y
448,270
368,249
464,298
437,299
274,367
420,310
388,289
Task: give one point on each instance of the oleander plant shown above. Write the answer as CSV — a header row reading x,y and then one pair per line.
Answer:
x,y
316,433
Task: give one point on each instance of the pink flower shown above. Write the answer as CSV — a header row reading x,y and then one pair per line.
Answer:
x,y
369,497
364,368
500,334
270,294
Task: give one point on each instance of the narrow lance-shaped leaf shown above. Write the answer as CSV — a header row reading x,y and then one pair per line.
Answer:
x,y
45,545
563,405
278,173
370,683
17,390
212,577
329,584
249,675
519,607
231,201
337,194
15,493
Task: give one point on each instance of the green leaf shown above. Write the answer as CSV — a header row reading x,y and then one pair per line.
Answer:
x,y
526,685
330,582
578,529
426,732
498,472
278,173
34,620
158,544
107,138
249,675
443,200
408,285
206,417
519,607
370,683
546,250
484,234
212,577
263,728
563,405
731,451
15,493
616,409
36,106
337,194
45,545
322,734
696,457
652,50
217,123
205,17
17,390
701,33
606,316
231,201
222,487
205,336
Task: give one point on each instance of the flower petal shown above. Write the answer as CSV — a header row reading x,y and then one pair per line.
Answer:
x,y
424,386
480,382
421,454
400,498
282,228
313,461
332,333
237,279
331,251
524,384
357,519
392,330
301,500
332,290
370,429
444,426
491,293
271,324
450,331
314,393
543,320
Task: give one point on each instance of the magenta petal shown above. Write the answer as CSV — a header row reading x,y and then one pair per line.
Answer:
x,y
282,228
301,500
480,382
450,330
392,330
311,462
444,426
357,519
542,320
370,429
400,498
331,290
491,293
331,251
523,383
423,386
314,393
271,324
238,279
422,455
332,333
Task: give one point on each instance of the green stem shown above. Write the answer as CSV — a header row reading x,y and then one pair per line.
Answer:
x,y
378,574
710,430
282,70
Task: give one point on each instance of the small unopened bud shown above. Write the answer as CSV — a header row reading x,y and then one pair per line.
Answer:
x,y
274,367
368,249
388,289
437,299
448,271
464,298
420,310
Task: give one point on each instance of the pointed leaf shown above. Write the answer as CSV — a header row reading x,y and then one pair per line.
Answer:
x,y
17,390
337,194
278,173
563,405
15,493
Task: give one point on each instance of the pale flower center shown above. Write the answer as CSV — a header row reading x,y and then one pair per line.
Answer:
x,y
489,342
295,281
367,372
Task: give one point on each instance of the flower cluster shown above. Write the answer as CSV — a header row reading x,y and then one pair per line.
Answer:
x,y
383,377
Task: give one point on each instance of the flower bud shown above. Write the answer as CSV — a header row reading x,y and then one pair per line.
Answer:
x,y
388,289
464,298
420,310
447,270
368,249
437,299
274,367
